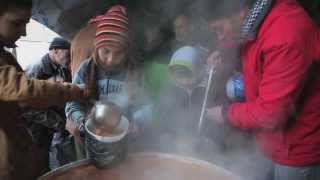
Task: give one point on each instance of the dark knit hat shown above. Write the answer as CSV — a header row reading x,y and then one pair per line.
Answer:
x,y
112,28
59,43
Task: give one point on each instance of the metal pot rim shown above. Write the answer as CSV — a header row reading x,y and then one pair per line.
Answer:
x,y
185,159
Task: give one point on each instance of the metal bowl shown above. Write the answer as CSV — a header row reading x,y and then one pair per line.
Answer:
x,y
107,151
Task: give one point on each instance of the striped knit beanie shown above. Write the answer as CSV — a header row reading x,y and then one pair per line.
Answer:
x,y
112,28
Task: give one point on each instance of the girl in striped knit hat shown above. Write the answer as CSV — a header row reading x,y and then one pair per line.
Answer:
x,y
109,74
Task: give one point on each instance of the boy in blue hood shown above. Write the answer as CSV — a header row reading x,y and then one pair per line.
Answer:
x,y
181,103
187,67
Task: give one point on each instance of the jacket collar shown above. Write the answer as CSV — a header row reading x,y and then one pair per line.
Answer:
x,y
49,64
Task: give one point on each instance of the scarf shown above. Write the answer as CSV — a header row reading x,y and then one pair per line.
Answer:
x,y
255,17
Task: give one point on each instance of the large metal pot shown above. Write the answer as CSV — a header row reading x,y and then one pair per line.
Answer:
x,y
144,166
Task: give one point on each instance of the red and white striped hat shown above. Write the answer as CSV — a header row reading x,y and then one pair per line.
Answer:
x,y
112,28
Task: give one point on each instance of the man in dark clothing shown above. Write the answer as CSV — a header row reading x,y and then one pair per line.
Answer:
x,y
55,63
47,125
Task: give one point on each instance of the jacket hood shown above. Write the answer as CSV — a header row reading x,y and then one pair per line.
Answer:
x,y
189,57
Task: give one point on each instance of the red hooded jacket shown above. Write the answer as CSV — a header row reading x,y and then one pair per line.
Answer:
x,y
282,86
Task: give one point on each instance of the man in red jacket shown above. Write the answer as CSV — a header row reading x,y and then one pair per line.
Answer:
x,y
280,45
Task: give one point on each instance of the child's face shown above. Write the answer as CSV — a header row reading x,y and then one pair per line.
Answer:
x,y
110,57
183,77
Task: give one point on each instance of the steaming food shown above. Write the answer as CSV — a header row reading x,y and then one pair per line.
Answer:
x,y
106,132
145,166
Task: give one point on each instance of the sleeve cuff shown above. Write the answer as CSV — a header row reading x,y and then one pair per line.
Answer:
x,y
77,118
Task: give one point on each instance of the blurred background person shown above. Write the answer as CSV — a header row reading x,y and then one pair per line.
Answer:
x,y
47,125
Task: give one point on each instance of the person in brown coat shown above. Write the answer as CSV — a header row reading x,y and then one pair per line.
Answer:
x,y
19,159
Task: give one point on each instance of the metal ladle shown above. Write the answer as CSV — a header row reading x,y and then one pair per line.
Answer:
x,y
205,100
104,115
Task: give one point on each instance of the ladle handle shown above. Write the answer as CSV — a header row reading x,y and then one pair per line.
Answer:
x,y
204,105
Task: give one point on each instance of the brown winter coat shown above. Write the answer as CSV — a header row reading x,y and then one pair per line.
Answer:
x,y
82,46
18,155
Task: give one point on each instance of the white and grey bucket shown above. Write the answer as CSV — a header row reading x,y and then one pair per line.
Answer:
x,y
107,151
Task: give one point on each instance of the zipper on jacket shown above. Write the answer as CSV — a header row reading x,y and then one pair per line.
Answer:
x,y
108,80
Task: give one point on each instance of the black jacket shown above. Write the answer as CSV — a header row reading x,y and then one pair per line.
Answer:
x,y
46,68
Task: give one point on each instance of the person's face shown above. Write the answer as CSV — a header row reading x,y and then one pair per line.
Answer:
x,y
183,77
110,56
182,28
13,25
228,28
62,56
153,38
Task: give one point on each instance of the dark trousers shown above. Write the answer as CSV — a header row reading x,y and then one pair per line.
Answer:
x,y
274,171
